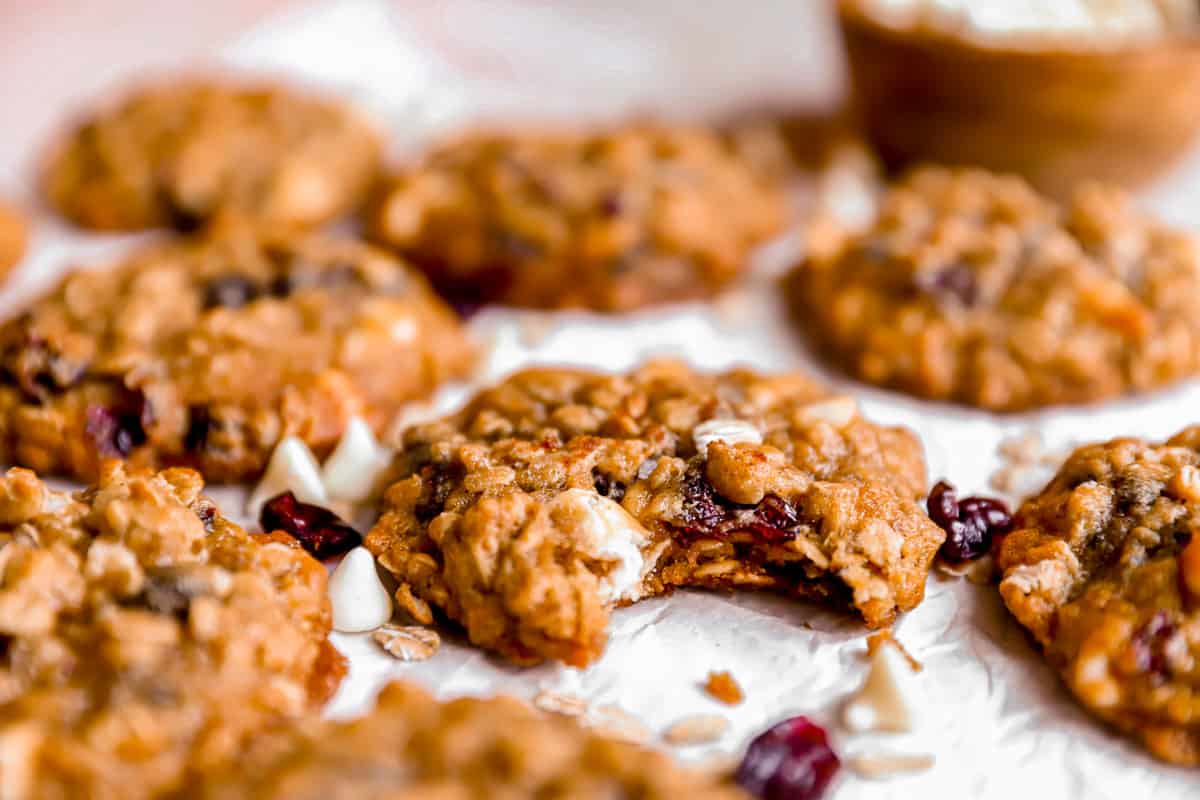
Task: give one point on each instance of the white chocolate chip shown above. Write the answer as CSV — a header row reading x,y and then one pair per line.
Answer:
x,y
353,469
358,598
606,532
889,698
730,431
837,411
292,468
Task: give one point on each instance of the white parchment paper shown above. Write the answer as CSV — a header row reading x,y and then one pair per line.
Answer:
x,y
996,720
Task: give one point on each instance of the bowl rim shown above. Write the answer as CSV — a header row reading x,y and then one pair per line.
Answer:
x,y
1017,46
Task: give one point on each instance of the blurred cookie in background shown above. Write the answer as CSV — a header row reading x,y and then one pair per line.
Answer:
x,y
14,235
973,288
608,219
175,154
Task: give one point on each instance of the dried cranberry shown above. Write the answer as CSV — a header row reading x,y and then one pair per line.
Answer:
x,y
179,217
702,510
230,291
199,423
438,480
319,530
1149,644
791,761
606,486
970,523
612,204
118,428
775,519
207,512
957,281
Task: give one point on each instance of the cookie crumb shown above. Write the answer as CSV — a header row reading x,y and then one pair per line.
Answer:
x,y
885,765
566,705
616,723
408,642
696,729
877,640
722,686
980,572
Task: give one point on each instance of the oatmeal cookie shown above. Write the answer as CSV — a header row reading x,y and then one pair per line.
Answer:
x,y
1103,568
205,352
144,638
561,494
610,220
972,288
14,234
412,746
176,154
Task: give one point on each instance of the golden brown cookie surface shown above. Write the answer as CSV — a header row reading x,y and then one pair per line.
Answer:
x,y
609,220
972,288
207,351
1104,570
144,637
413,747
178,153
561,494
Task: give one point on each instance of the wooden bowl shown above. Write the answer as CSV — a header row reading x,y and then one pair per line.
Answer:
x,y
1053,114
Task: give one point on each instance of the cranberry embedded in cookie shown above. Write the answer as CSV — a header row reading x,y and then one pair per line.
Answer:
x,y
972,288
179,153
561,494
206,352
607,219
144,637
1103,568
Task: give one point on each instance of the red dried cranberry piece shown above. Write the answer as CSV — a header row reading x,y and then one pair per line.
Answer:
x,y
118,428
319,530
957,281
702,510
775,519
1149,643
970,523
942,504
606,486
791,761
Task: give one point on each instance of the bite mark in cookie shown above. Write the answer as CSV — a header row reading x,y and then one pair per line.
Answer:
x,y
609,219
208,351
972,288
179,154
1102,568
144,637
561,494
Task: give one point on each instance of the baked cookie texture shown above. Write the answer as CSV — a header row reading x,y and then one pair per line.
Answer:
x,y
144,638
14,234
561,494
206,351
412,746
1103,569
609,220
972,288
178,153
